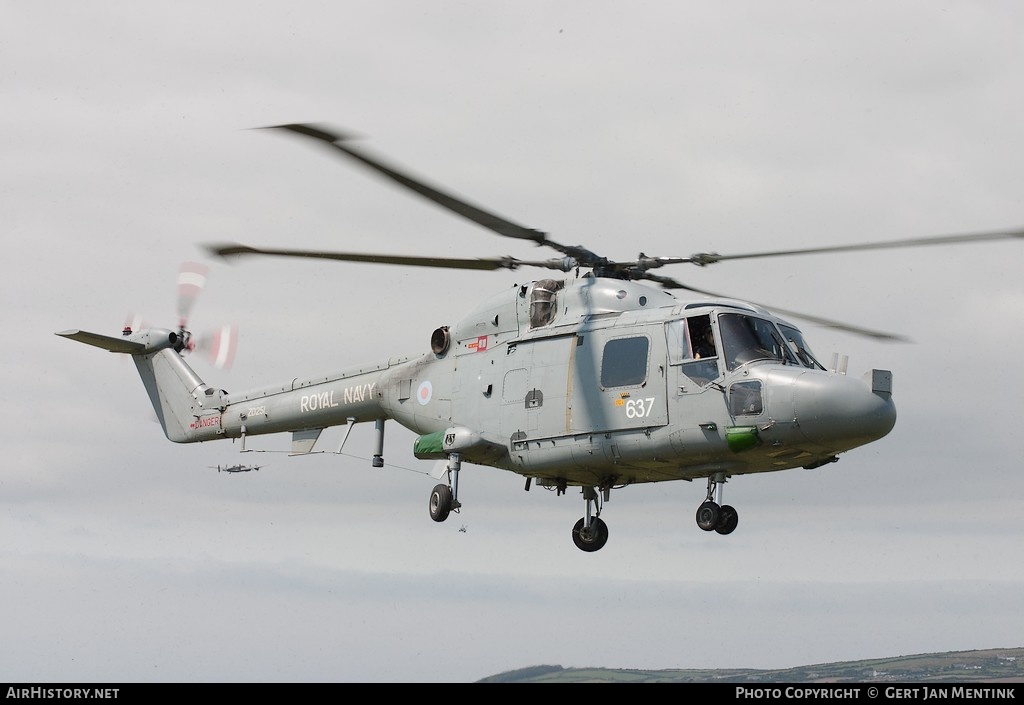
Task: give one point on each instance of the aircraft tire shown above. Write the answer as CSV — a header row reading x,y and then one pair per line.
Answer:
x,y
593,540
728,518
440,502
707,515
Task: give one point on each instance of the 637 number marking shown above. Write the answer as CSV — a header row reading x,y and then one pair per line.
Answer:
x,y
639,408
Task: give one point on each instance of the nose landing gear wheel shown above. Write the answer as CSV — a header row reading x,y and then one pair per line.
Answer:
x,y
707,515
440,502
591,539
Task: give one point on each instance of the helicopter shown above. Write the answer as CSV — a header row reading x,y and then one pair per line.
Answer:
x,y
596,376
236,468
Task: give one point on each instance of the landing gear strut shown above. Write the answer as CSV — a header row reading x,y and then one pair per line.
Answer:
x,y
445,497
591,533
712,515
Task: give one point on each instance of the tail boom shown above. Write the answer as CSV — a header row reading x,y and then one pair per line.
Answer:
x,y
189,410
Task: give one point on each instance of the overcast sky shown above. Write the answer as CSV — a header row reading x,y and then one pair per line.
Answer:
x,y
666,128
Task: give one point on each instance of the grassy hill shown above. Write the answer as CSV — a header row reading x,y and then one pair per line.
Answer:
x,y
987,666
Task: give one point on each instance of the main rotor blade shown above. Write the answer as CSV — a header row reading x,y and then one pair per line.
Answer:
x,y
489,220
486,264
705,258
670,283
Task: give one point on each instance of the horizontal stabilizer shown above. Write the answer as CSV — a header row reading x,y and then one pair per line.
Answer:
x,y
118,345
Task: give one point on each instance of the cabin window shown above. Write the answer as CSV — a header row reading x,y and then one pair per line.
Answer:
x,y
624,362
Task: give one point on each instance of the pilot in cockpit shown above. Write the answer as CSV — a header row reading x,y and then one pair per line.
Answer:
x,y
704,344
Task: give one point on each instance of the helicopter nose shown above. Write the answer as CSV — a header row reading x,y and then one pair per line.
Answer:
x,y
841,412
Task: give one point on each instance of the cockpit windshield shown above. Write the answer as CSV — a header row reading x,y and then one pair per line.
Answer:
x,y
799,346
748,338
742,338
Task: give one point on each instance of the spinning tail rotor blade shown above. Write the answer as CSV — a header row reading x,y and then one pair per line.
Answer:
x,y
219,346
191,280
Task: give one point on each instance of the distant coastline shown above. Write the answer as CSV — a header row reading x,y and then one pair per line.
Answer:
x,y
982,666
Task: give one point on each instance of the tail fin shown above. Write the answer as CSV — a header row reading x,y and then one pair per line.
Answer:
x,y
188,409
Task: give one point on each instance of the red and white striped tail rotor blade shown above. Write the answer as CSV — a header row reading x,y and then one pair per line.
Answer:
x,y
222,345
191,280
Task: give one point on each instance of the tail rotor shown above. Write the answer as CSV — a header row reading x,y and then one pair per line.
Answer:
x,y
218,346
191,280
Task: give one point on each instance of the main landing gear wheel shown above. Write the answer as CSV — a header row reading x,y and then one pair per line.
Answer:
x,y
728,518
591,539
445,497
707,515
440,502
712,515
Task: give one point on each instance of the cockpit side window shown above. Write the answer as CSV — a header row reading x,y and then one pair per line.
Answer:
x,y
691,343
678,341
702,337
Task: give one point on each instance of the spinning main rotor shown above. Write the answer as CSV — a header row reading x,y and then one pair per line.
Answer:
x,y
573,256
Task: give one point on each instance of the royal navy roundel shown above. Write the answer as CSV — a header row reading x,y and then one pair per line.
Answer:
x,y
423,393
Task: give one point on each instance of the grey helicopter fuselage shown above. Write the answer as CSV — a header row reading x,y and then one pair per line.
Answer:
x,y
592,382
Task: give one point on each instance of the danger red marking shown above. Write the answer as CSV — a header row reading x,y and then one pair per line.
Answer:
x,y
207,422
